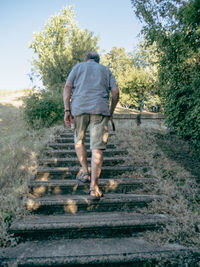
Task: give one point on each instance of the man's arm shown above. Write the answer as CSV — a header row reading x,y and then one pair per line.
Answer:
x,y
66,99
115,99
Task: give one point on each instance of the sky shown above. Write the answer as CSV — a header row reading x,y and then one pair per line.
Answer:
x,y
113,21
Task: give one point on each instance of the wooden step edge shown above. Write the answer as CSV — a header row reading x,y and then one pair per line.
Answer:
x,y
108,150
108,168
75,159
79,198
43,229
54,144
102,181
96,251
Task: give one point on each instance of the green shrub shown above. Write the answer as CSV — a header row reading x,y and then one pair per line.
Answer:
x,y
182,107
42,109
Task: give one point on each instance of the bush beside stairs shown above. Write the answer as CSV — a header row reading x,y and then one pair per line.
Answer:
x,y
67,228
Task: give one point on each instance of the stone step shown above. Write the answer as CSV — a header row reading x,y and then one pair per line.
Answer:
x,y
92,225
95,252
59,187
84,203
67,152
69,162
71,145
70,173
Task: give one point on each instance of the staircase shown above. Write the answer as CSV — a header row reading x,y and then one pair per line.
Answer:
x,y
67,228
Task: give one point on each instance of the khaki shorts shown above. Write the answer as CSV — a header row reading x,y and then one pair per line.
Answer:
x,y
98,125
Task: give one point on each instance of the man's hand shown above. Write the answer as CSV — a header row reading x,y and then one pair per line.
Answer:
x,y
115,99
68,119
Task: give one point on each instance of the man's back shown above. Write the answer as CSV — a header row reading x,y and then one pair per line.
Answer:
x,y
91,87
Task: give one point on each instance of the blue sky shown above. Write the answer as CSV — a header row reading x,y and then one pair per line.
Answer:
x,y
113,20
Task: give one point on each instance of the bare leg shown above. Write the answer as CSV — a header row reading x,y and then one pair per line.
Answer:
x,y
97,160
82,156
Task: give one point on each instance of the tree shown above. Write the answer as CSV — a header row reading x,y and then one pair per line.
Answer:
x,y
175,26
58,47
135,75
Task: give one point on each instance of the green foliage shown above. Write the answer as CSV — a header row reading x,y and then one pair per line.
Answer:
x,y
59,47
175,27
42,109
136,76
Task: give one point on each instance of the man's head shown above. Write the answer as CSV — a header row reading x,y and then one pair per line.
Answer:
x,y
92,55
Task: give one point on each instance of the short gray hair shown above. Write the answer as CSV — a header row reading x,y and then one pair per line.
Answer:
x,y
92,55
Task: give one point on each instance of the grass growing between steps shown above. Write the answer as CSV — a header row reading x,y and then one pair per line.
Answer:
x,y
19,148
176,170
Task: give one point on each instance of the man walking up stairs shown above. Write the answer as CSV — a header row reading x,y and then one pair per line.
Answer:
x,y
91,83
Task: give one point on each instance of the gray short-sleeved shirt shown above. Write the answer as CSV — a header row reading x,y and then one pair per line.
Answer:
x,y
91,87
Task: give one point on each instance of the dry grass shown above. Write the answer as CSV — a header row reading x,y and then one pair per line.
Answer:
x,y
6,93
176,171
19,148
157,154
